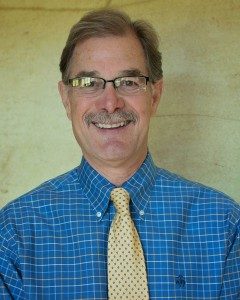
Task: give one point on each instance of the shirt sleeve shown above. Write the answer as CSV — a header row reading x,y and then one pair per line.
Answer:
x,y
11,286
231,275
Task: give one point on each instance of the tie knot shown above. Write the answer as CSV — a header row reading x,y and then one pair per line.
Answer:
x,y
120,198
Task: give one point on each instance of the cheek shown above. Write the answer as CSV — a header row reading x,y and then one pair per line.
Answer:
x,y
144,109
78,110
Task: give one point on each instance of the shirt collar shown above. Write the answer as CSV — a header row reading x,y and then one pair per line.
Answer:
x,y
97,188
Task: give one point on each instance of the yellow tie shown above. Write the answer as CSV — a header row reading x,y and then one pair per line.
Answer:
x,y
127,277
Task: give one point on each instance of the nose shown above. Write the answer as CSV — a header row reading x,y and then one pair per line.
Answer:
x,y
110,99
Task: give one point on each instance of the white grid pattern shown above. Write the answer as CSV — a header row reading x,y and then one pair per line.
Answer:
x,y
53,245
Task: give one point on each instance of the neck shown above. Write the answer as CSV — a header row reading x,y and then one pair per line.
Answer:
x,y
116,172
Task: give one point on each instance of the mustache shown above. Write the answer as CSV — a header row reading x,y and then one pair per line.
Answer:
x,y
104,117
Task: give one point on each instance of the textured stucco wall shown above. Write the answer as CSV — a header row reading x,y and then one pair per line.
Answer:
x,y
196,132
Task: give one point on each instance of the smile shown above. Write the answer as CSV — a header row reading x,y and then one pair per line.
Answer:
x,y
110,126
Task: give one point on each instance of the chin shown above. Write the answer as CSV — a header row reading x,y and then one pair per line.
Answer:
x,y
115,154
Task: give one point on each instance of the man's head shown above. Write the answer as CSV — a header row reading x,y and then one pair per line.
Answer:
x,y
111,85
107,22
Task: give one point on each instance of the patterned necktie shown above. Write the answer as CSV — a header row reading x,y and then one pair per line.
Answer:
x,y
127,277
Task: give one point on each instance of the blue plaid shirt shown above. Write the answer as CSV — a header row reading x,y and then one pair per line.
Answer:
x,y
53,240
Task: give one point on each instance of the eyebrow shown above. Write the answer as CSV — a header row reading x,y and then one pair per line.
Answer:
x,y
131,72
87,74
127,72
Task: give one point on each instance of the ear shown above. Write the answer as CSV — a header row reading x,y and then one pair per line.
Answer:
x,y
64,93
157,89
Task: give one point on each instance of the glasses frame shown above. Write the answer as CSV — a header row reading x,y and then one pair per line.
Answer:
x,y
71,80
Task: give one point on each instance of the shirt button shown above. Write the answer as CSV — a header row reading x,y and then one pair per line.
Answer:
x,y
99,214
141,212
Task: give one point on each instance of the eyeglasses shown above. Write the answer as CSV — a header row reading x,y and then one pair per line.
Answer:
x,y
94,86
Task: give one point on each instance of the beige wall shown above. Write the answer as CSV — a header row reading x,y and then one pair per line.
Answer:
x,y
196,132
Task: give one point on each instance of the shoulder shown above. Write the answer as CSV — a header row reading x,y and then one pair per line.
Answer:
x,y
198,195
42,208
42,195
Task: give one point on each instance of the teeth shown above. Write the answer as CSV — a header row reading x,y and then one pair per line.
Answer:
x,y
107,126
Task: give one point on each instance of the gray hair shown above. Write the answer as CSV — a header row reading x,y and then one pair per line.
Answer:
x,y
107,22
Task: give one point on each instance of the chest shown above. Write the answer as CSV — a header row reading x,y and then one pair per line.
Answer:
x,y
183,259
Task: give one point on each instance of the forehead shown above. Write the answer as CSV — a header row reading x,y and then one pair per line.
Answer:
x,y
108,56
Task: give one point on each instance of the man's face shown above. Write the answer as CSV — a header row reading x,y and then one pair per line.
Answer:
x,y
110,57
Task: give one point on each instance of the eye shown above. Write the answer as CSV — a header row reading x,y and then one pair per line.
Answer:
x,y
128,82
88,82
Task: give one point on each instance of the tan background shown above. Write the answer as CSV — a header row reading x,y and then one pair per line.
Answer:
x,y
196,132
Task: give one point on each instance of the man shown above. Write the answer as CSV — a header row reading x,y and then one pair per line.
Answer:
x,y
54,240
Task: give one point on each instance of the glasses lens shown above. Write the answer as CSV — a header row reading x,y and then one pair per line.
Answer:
x,y
130,85
88,85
